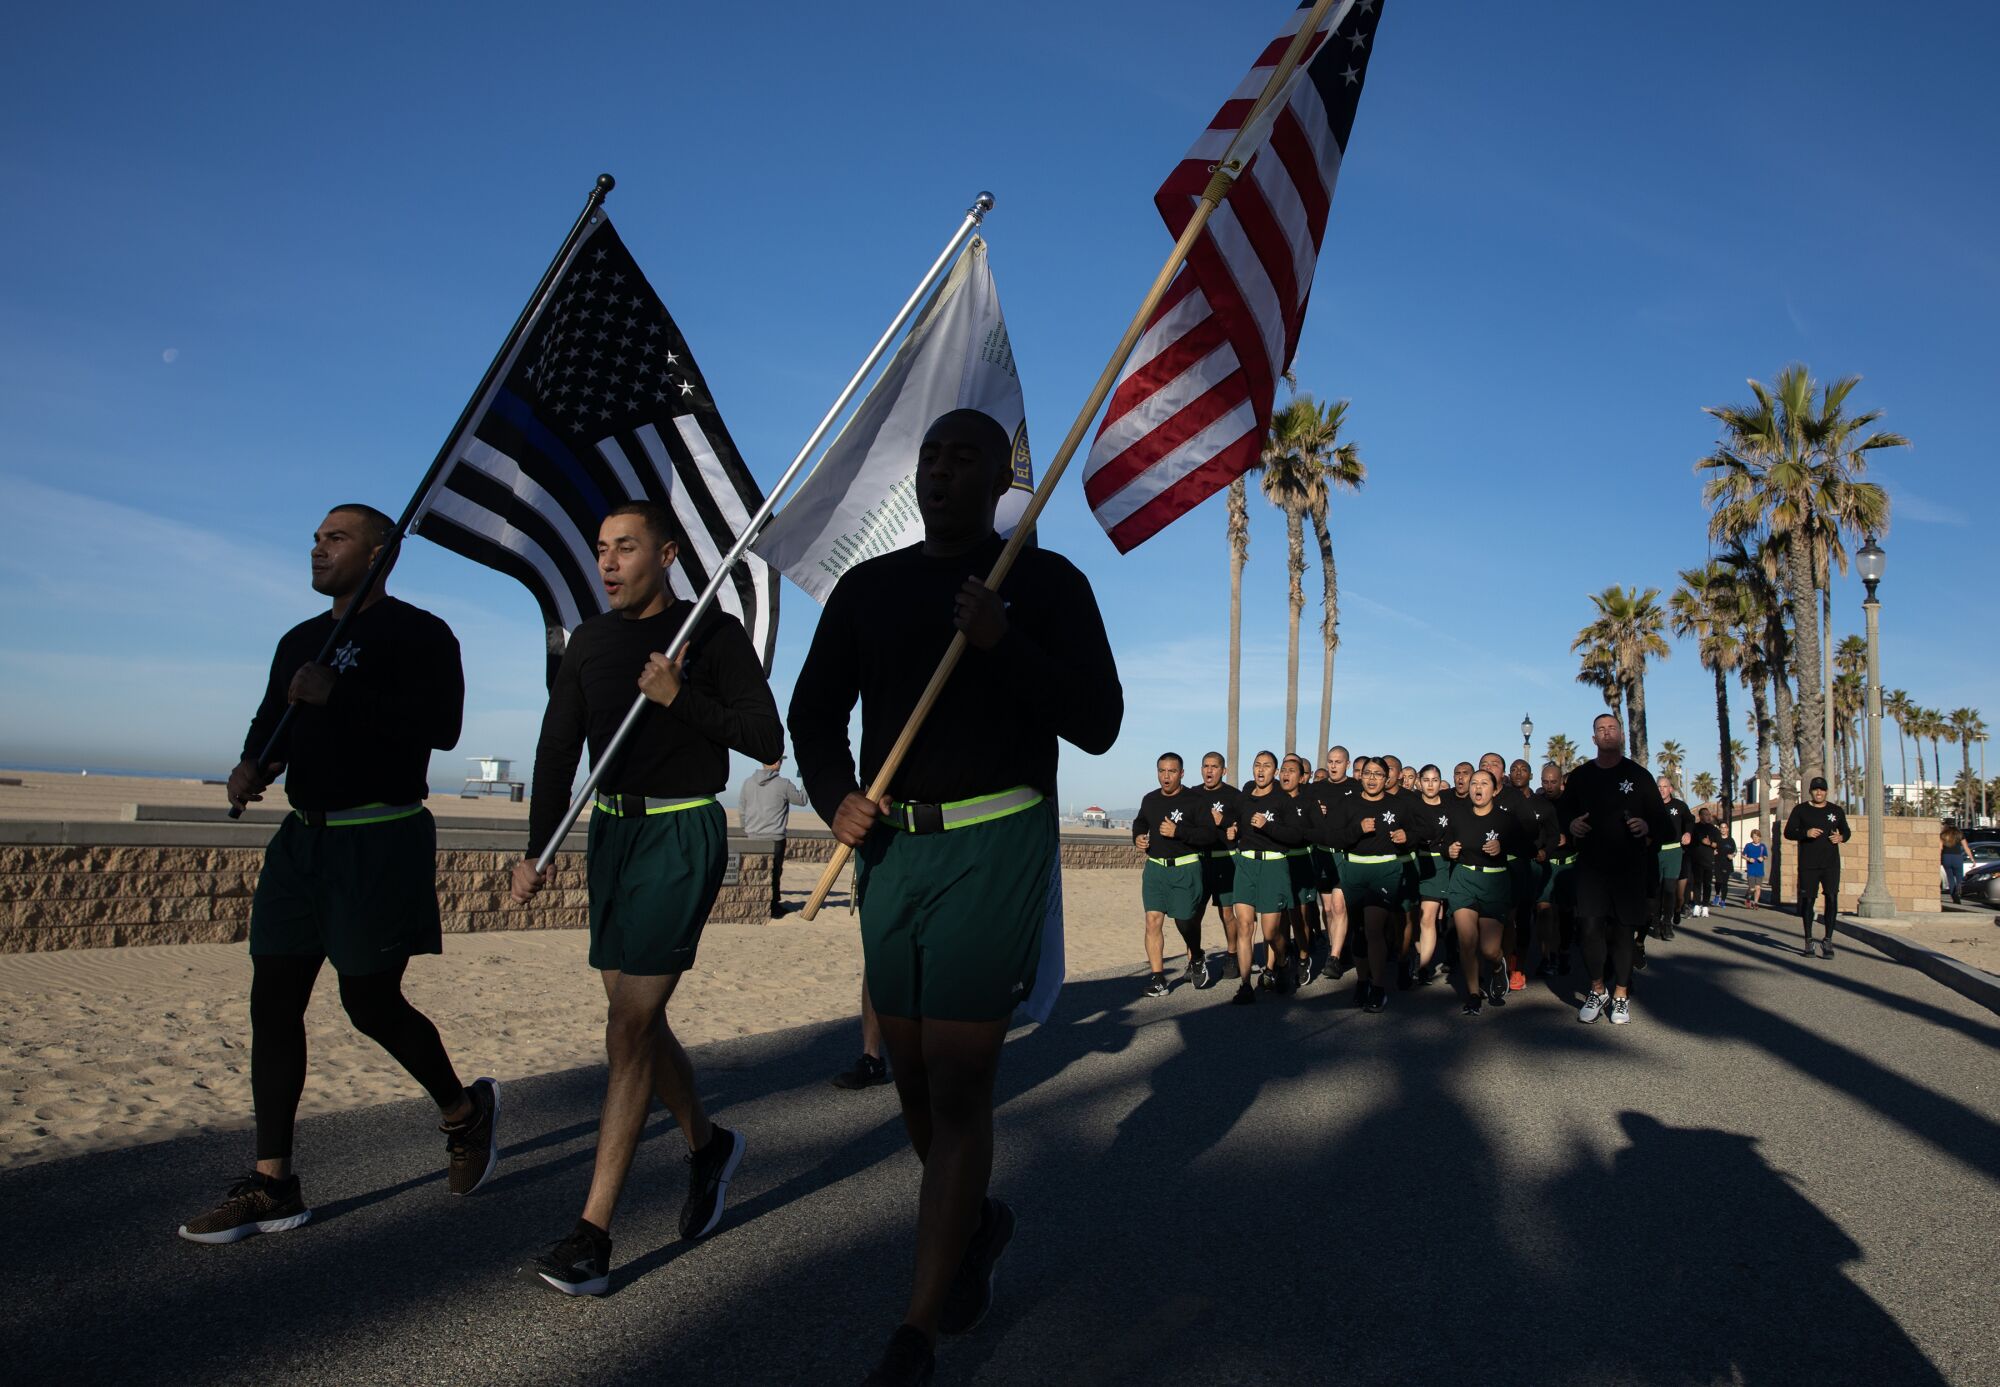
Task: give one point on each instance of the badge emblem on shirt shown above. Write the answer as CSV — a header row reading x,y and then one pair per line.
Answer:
x,y
1829,818
1492,835
1215,808
1444,821
1624,787
346,658
1388,818
1175,816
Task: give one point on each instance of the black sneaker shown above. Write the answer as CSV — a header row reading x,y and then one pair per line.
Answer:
x,y
472,1147
1306,970
907,1362
1245,995
1473,1005
1496,986
870,1071
970,1294
1427,975
580,1264
1336,968
1156,986
1639,955
1197,972
1378,997
255,1204
709,1172
1812,949
1826,948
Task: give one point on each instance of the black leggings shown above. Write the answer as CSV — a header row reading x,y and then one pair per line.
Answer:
x,y
280,988
1812,881
1608,936
1701,878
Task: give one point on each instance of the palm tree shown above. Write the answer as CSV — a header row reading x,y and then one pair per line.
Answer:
x,y
1706,607
1344,471
1703,786
1294,480
1789,467
1599,669
1562,751
1239,555
1934,727
1672,757
1760,618
1967,726
1896,703
1627,631
1848,692
1738,757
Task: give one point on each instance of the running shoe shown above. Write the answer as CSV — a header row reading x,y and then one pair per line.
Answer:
x,y
907,1362
1336,968
1378,997
1245,995
1306,973
1826,948
1496,987
580,1264
472,1147
870,1071
709,1173
1427,975
1621,1011
970,1294
1593,1006
1156,986
1639,955
1197,972
255,1204
1473,1005
1517,981
1812,949
1666,933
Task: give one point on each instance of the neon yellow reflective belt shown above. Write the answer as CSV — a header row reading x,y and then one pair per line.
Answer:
x,y
1175,861
1372,861
965,813
363,814
1261,856
1466,867
1562,861
653,806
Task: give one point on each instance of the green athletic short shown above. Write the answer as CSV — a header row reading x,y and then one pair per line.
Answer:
x,y
1173,891
1487,890
1305,876
1554,892
363,895
1670,863
1382,884
1264,883
951,922
653,878
1218,877
1433,876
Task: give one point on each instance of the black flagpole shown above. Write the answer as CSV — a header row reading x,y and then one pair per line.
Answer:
x,y
605,183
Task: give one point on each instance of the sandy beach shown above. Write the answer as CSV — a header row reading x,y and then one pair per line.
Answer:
x,y
113,1047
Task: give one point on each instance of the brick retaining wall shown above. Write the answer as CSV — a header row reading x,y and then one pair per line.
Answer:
x,y
69,886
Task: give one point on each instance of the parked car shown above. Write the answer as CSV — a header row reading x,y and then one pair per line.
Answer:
x,y
1982,884
1978,853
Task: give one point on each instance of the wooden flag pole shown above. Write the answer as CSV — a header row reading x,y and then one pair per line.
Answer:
x,y
1218,188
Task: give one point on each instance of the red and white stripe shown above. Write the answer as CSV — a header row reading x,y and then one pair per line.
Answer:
x,y
1190,411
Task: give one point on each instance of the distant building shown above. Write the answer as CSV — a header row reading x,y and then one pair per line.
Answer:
x,y
1094,817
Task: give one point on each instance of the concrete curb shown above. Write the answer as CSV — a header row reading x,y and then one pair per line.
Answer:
x,y
1962,978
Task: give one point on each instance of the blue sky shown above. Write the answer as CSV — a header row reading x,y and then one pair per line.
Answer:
x,y
258,258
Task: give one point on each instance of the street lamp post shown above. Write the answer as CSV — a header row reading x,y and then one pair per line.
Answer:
x,y
1527,739
1875,903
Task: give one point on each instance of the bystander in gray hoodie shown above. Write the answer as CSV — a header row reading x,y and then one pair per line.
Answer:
x,y
765,802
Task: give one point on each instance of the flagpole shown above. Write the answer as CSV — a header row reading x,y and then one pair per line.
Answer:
x,y
605,183
974,215
1219,184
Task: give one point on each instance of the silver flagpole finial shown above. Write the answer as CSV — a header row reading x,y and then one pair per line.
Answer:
x,y
981,205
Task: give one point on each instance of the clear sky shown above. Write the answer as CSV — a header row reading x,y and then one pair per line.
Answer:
x,y
256,258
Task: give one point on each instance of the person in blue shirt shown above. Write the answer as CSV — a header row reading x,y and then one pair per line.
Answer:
x,y
1754,854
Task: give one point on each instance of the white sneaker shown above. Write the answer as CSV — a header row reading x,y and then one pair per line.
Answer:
x,y
1593,1006
1621,1011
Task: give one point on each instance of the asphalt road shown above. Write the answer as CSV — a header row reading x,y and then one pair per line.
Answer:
x,y
1783,1172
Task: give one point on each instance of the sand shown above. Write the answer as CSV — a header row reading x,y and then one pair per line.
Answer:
x,y
104,1048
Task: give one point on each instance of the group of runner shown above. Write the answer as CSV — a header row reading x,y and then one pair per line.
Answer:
x,y
1381,866
956,873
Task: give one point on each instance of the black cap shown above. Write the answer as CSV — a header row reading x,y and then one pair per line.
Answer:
x,y
1818,783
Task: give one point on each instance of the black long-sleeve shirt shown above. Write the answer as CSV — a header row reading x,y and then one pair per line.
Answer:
x,y
1194,826
1610,795
1387,814
1538,814
1822,852
1222,799
1284,825
1472,831
677,751
398,694
887,624
1680,822
1430,829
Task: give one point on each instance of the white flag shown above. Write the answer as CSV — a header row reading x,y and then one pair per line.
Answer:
x,y
861,499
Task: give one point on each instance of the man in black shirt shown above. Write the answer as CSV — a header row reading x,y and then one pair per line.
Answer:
x,y
1616,819
351,874
1174,830
956,867
1673,860
658,846
1819,828
1218,879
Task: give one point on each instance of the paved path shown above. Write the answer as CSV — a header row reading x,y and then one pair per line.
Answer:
x,y
1784,1172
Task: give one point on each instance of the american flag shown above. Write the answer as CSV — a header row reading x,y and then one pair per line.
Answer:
x,y
600,403
1192,407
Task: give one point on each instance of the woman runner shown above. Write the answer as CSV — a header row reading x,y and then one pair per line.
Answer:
x,y
1268,827
1430,831
1481,892
1379,856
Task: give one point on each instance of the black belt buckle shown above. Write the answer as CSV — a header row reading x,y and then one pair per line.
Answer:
x,y
315,818
926,818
